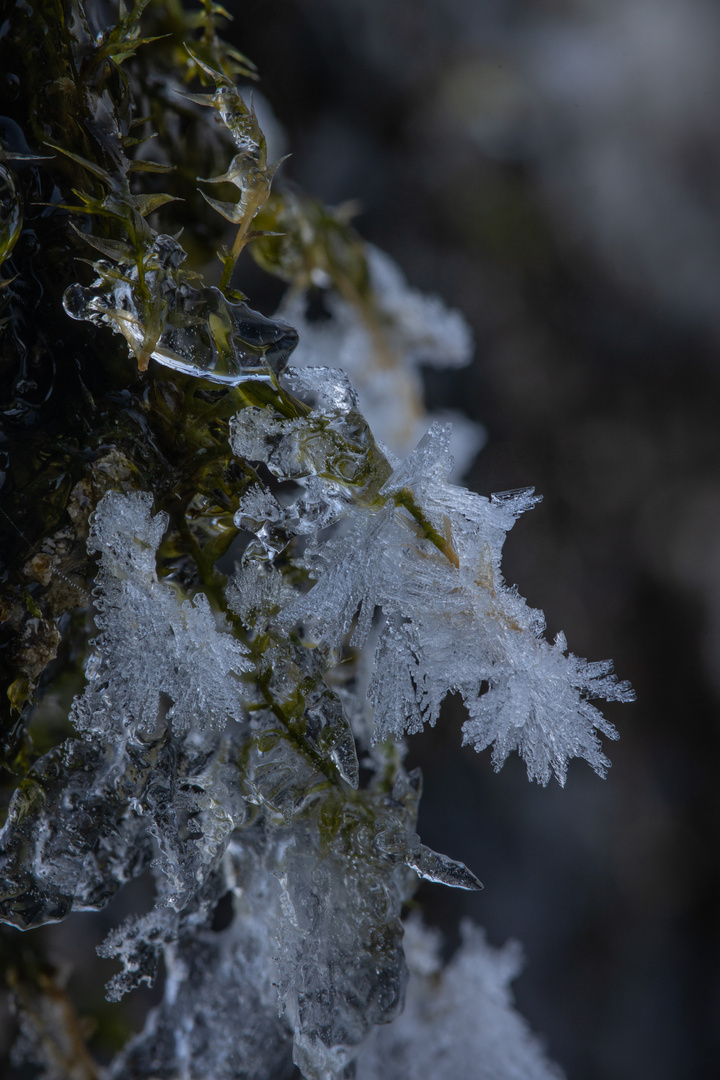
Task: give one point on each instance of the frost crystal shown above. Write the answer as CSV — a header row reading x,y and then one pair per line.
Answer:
x,y
459,1021
428,555
159,660
383,358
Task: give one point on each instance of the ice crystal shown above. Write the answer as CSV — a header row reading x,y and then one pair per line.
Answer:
x,y
458,1020
382,355
159,660
428,555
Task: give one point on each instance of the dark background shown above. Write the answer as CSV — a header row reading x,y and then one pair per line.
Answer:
x,y
553,170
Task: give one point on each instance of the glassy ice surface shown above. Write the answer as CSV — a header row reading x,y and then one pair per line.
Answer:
x,y
195,330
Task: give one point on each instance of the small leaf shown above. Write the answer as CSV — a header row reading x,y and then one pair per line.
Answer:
x,y
129,140
217,76
145,204
218,9
123,50
7,155
230,211
240,58
18,693
31,605
199,99
96,170
259,233
114,249
151,166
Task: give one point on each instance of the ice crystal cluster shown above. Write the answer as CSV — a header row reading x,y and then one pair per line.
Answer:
x,y
459,1019
278,601
383,357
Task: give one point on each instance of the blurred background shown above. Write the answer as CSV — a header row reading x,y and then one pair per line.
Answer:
x,y
552,168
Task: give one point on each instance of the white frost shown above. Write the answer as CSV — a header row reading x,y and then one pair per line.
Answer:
x,y
459,1021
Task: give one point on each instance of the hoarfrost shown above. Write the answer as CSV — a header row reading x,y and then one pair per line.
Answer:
x,y
428,555
159,659
220,752
383,360
459,1021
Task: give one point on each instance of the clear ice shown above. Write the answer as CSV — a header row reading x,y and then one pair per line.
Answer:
x,y
192,329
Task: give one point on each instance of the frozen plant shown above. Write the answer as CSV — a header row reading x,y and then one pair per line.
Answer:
x,y
278,600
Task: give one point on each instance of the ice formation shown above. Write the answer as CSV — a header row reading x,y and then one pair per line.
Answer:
x,y
383,358
459,1021
243,739
426,554
188,327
